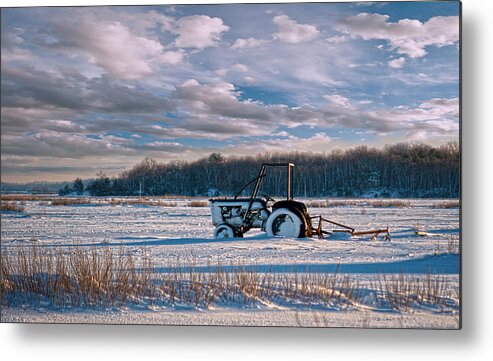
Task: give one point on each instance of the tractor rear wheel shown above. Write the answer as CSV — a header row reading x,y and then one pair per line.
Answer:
x,y
285,223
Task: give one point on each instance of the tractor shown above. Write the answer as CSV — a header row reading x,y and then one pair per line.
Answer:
x,y
233,217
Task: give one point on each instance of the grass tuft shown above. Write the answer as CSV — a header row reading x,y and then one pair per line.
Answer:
x,y
447,205
11,207
69,201
199,203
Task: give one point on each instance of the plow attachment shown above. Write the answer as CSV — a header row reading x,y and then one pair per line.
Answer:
x,y
321,232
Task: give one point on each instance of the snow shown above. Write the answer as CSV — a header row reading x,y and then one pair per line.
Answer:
x,y
167,233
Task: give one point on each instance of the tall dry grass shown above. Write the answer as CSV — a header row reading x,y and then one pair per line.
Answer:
x,y
37,276
11,207
377,203
24,197
101,277
70,201
447,205
405,292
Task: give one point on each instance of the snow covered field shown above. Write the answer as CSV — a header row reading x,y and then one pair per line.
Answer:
x,y
165,234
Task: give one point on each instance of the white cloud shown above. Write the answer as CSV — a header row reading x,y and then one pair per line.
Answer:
x,y
338,100
283,141
337,39
221,101
442,106
240,67
292,32
114,47
397,63
171,147
248,43
12,43
199,31
250,79
216,108
171,57
437,118
50,143
140,23
409,37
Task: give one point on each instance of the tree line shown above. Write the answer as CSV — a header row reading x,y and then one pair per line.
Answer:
x,y
400,170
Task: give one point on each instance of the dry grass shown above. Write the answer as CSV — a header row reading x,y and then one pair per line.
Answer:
x,y
101,278
451,247
104,278
326,203
447,205
377,203
24,197
70,201
141,201
11,207
317,203
38,276
390,203
405,292
199,203
157,202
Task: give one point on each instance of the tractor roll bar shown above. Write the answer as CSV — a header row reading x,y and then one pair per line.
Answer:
x,y
289,178
260,178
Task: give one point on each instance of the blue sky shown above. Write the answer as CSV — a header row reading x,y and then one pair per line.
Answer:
x,y
100,88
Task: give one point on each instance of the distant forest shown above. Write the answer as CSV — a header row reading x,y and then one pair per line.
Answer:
x,y
401,170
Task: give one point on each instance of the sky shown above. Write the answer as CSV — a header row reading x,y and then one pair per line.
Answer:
x,y
85,89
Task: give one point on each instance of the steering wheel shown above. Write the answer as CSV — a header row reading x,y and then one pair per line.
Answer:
x,y
267,198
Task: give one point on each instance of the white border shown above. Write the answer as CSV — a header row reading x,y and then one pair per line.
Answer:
x,y
81,342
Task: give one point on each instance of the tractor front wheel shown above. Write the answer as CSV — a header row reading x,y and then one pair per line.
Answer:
x,y
285,223
224,231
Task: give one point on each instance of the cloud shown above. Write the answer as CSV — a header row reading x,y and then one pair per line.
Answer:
x,y
289,31
142,23
114,46
109,85
12,45
220,99
19,120
169,147
48,143
408,37
199,31
442,106
337,39
436,118
217,108
292,32
26,87
240,68
397,63
338,100
249,43
250,80
316,143
217,111
171,57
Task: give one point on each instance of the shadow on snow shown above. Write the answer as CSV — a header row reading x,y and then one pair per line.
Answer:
x,y
432,264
